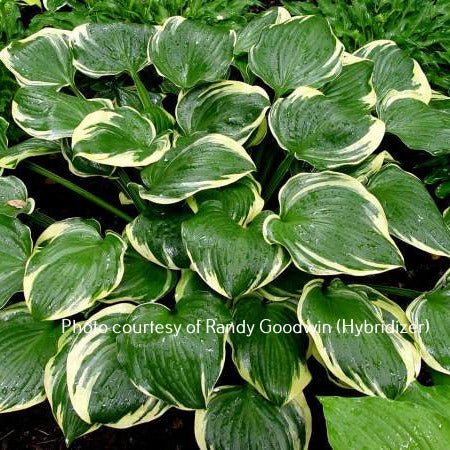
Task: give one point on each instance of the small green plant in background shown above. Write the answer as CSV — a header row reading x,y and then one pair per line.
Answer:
x,y
253,165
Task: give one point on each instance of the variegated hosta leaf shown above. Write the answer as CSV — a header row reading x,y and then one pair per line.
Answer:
x,y
158,238
142,281
110,49
99,388
430,315
188,52
92,267
241,200
411,212
248,36
46,113
353,341
190,283
232,267
195,163
395,70
119,137
418,125
42,59
370,166
287,286
331,224
297,52
10,157
326,132
25,347
161,119
273,362
440,102
354,84
55,382
82,167
14,198
238,417
184,337
379,423
231,108
14,252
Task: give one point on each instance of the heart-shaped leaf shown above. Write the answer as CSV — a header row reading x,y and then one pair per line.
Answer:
x,y
238,417
10,157
331,224
99,388
411,212
93,267
188,52
158,238
272,361
110,49
297,52
194,164
119,137
14,252
25,347
186,336
353,341
394,70
231,267
47,114
42,59
14,198
142,281
231,108
326,132
429,314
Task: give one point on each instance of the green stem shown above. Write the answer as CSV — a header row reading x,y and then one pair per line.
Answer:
x,y
401,292
142,92
40,219
278,176
78,190
76,91
124,181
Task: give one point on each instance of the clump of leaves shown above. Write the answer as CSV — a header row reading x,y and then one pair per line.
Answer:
x,y
207,256
418,27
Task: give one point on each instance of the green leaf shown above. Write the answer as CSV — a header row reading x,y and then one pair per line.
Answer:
x,y
238,417
190,283
92,267
189,53
158,238
273,362
119,137
99,388
232,267
241,200
194,164
419,126
10,157
297,52
231,108
326,132
429,314
25,347
436,398
14,198
331,224
42,59
45,113
55,382
412,214
354,343
14,252
378,423
248,36
354,84
3,138
142,281
110,49
394,70
149,356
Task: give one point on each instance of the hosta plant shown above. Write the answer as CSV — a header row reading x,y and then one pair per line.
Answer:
x,y
264,192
